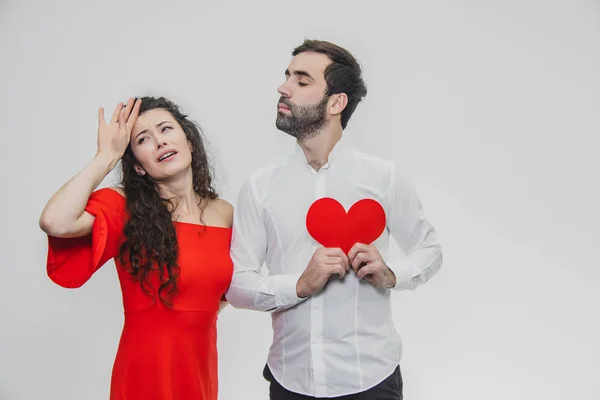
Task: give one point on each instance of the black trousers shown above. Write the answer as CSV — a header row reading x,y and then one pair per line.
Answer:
x,y
389,389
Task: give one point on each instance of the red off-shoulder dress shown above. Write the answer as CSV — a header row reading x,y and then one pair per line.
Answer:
x,y
164,353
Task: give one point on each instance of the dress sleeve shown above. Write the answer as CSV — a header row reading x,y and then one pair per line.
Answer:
x,y
72,261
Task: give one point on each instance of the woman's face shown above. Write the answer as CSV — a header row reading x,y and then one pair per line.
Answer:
x,y
160,145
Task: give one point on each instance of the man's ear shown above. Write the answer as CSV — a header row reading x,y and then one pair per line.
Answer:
x,y
338,103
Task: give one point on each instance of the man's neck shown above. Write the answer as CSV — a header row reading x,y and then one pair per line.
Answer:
x,y
318,148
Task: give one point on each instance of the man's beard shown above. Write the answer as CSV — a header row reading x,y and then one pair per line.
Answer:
x,y
302,122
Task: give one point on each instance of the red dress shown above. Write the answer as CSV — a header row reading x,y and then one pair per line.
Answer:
x,y
164,353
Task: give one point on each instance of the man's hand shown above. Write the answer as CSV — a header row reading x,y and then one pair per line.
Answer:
x,y
324,263
368,264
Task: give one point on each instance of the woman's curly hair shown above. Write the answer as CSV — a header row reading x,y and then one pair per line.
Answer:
x,y
150,238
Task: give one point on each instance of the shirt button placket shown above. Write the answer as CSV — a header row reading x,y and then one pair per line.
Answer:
x,y
316,315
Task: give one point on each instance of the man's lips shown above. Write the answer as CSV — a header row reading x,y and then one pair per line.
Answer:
x,y
283,107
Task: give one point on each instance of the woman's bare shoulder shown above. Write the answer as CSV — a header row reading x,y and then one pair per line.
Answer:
x,y
224,209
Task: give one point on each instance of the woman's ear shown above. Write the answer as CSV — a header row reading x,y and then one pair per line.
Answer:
x,y
139,170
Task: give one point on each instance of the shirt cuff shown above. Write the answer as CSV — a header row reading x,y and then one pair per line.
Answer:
x,y
284,289
404,270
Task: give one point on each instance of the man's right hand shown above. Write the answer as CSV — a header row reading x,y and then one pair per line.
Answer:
x,y
324,263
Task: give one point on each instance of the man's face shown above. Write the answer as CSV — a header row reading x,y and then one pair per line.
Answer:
x,y
302,110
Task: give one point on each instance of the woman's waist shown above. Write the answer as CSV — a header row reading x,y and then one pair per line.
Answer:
x,y
160,316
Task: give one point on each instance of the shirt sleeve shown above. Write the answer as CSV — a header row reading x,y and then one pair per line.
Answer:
x,y
414,234
249,287
72,261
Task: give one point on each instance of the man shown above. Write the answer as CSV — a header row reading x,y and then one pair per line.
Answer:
x,y
333,330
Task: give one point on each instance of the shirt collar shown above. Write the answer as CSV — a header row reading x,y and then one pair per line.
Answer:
x,y
335,152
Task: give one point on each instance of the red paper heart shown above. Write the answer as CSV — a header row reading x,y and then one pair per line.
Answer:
x,y
329,224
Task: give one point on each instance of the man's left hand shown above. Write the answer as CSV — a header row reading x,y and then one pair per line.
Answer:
x,y
367,263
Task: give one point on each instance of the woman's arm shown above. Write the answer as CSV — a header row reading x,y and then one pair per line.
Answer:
x,y
64,214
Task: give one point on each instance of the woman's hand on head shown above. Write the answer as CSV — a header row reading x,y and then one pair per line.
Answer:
x,y
114,136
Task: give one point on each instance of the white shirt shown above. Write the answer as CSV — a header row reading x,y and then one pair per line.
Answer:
x,y
341,340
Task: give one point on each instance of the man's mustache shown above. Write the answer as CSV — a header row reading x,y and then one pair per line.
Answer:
x,y
286,102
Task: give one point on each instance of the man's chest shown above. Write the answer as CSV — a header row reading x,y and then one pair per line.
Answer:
x,y
292,212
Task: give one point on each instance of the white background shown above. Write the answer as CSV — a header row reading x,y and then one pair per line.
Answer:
x,y
493,107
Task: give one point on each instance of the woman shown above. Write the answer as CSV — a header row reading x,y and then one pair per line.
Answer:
x,y
169,235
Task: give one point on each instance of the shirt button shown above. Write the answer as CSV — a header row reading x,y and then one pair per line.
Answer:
x,y
316,307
